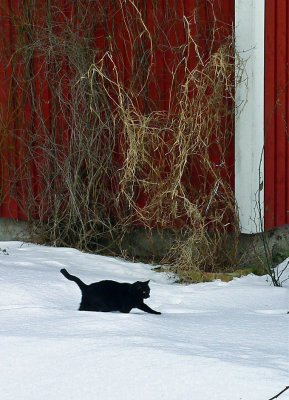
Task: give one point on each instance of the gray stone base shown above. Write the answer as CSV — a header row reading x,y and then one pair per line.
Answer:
x,y
251,247
152,246
13,230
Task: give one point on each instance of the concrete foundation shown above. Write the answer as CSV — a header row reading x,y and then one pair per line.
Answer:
x,y
251,247
152,246
13,230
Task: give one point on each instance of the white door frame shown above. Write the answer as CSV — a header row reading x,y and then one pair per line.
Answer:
x,y
249,120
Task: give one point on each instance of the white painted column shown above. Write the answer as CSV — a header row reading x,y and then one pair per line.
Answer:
x,y
249,122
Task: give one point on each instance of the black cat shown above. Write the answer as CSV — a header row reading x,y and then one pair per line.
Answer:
x,y
112,296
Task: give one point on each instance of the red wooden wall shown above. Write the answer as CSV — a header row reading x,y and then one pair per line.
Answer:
x,y
276,113
10,147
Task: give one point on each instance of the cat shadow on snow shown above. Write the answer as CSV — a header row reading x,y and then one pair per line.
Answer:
x,y
108,296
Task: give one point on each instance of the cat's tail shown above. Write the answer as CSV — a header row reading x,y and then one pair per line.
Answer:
x,y
73,278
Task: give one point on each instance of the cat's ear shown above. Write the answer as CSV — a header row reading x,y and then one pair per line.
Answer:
x,y
147,282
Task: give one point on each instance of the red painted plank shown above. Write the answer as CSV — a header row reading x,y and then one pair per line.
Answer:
x,y
9,205
4,94
276,113
287,120
281,114
269,111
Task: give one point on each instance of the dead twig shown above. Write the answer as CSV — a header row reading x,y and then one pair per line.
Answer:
x,y
279,394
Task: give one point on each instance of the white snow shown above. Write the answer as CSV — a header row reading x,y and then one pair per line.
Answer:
x,y
213,341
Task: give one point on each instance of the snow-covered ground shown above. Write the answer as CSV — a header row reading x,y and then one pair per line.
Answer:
x,y
213,341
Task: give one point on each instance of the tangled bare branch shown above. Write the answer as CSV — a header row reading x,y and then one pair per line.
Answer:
x,y
103,150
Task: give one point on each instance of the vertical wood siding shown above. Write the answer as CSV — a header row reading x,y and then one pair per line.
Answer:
x,y
8,144
276,113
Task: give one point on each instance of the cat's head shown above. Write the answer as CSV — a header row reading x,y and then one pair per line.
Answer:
x,y
142,289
